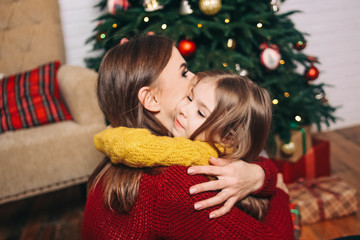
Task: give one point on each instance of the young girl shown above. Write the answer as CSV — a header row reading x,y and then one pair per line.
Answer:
x,y
229,115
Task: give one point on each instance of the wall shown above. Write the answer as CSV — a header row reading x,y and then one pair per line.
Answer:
x,y
334,37
77,17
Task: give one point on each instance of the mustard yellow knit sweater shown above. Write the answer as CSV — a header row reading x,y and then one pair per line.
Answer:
x,y
137,147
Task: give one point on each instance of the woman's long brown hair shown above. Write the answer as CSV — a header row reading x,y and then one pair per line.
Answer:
x,y
123,71
241,120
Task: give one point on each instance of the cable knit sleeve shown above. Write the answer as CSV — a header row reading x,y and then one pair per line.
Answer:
x,y
269,186
179,220
139,148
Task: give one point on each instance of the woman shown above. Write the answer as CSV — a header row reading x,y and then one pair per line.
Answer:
x,y
155,203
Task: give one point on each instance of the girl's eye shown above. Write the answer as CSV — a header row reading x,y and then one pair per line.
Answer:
x,y
189,98
184,73
201,113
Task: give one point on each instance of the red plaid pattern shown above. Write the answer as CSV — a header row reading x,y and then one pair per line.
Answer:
x,y
323,198
31,98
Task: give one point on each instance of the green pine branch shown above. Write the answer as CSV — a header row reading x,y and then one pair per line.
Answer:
x,y
212,52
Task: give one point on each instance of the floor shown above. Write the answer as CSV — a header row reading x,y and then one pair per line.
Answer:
x,y
55,216
58,215
345,163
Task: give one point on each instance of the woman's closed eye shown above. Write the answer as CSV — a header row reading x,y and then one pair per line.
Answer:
x,y
184,73
189,98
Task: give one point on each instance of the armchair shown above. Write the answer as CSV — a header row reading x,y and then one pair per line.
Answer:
x,y
56,155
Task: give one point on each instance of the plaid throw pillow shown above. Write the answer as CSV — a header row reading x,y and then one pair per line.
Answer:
x,y
31,98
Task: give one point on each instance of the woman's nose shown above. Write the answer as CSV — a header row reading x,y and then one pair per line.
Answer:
x,y
191,74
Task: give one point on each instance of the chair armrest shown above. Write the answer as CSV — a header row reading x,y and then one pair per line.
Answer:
x,y
78,88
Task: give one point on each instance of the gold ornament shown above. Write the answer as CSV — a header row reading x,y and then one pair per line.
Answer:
x,y
288,149
231,44
152,5
324,100
210,7
185,8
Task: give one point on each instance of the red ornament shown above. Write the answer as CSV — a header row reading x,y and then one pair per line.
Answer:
x,y
270,56
312,73
114,5
300,45
101,36
187,48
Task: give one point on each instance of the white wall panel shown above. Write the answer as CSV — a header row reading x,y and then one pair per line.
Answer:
x,y
334,37
77,17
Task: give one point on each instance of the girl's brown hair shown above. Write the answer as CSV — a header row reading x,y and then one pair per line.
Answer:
x,y
241,120
123,71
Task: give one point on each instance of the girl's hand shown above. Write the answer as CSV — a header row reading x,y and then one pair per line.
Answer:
x,y
281,184
236,179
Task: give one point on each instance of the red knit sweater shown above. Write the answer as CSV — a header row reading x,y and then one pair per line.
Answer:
x,y
165,210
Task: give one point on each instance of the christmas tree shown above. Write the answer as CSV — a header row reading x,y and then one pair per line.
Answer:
x,y
250,38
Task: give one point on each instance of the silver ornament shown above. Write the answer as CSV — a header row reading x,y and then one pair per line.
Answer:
x,y
275,5
185,8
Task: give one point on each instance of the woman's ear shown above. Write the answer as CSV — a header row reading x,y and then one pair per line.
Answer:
x,y
148,99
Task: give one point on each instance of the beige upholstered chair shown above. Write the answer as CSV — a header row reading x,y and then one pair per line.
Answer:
x,y
56,155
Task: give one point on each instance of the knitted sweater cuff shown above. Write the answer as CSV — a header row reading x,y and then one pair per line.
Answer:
x,y
269,187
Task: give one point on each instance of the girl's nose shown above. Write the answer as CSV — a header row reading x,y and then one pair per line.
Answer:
x,y
183,111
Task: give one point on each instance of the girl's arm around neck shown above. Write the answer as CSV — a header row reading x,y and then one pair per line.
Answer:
x,y
139,148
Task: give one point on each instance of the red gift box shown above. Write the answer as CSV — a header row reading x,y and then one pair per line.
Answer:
x,y
315,163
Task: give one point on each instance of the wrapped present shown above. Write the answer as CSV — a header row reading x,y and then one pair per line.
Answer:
x,y
323,198
315,163
300,142
295,217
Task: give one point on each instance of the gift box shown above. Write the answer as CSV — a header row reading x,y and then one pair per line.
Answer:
x,y
301,138
323,198
315,163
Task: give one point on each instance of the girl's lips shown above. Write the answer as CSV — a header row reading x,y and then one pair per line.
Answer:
x,y
178,124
